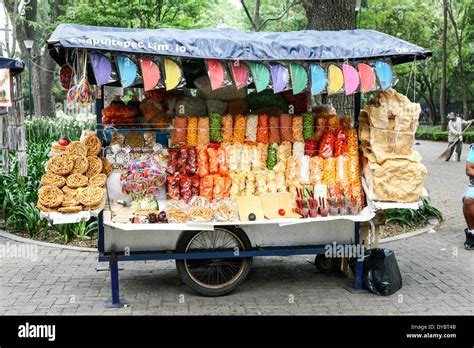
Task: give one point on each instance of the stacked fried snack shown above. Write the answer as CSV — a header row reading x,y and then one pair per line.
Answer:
x,y
75,180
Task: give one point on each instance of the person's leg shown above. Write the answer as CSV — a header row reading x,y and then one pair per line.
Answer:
x,y
451,150
459,150
468,211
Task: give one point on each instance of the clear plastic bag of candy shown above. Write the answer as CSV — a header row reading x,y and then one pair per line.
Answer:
x,y
206,187
240,127
219,186
203,132
227,128
213,161
274,130
286,128
262,129
251,129
308,126
178,133
203,163
215,127
185,187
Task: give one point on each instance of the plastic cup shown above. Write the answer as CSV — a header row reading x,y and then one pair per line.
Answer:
x,y
313,212
333,211
304,213
354,210
343,211
323,212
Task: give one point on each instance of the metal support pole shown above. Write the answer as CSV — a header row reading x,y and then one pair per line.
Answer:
x,y
29,83
359,266
116,302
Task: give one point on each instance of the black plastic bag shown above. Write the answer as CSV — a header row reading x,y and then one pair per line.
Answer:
x,y
381,273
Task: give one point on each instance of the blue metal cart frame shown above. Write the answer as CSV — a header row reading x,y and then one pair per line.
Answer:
x,y
159,255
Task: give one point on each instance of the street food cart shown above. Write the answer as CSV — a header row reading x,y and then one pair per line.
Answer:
x,y
213,255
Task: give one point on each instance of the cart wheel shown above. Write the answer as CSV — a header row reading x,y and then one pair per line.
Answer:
x,y
213,277
327,264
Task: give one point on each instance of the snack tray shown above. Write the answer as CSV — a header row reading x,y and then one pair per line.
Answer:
x,y
365,215
57,218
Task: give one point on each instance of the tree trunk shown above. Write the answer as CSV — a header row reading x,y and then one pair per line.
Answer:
x,y
330,14
333,15
442,96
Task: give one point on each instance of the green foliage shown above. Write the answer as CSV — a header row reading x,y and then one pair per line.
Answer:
x,y
18,195
468,137
411,218
83,230
41,128
139,13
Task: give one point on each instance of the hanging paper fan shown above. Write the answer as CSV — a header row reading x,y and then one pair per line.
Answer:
x,y
102,68
384,74
127,71
173,74
335,79
261,75
318,79
351,78
150,72
216,73
280,77
299,78
367,77
65,76
240,74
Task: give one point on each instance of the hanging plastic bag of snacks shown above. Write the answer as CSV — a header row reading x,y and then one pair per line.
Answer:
x,y
340,144
203,163
213,161
286,131
203,132
292,172
329,169
191,136
172,187
233,156
308,126
271,182
178,133
195,185
304,170
172,166
272,156
245,158
235,186
311,148
263,148
215,125
227,186
333,123
298,128
250,184
206,187
274,130
261,180
191,165
326,148
316,171
251,130
183,159
321,126
227,128
298,149
240,125
219,186
222,161
185,186
262,129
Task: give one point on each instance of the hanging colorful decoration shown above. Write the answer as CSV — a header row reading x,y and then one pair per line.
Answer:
x,y
335,79
318,79
127,71
299,78
384,74
173,74
261,75
367,77
351,78
240,74
81,93
66,77
150,72
101,67
280,77
216,73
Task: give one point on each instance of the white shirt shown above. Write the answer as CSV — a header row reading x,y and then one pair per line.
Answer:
x,y
455,129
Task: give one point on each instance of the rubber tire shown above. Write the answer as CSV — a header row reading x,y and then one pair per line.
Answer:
x,y
181,246
324,264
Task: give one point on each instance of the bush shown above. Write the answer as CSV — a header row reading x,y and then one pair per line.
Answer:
x,y
441,136
41,128
414,217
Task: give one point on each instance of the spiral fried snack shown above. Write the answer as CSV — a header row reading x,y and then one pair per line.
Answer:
x,y
98,180
91,196
93,145
51,179
95,166
76,180
61,164
76,148
50,196
80,164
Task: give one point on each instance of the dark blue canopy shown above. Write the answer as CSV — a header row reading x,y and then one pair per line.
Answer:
x,y
15,65
226,43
